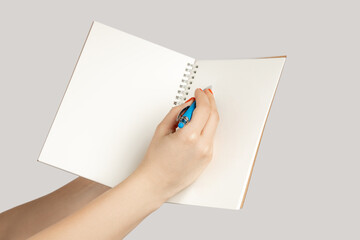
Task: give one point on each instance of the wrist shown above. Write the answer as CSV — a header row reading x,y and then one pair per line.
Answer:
x,y
155,184
147,189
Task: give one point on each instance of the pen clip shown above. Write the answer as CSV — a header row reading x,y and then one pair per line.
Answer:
x,y
182,113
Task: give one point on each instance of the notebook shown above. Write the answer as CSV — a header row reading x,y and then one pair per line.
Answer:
x,y
123,86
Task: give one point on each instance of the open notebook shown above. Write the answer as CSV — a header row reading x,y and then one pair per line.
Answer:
x,y
123,86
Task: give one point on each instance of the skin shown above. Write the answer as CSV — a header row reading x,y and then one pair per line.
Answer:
x,y
174,160
30,218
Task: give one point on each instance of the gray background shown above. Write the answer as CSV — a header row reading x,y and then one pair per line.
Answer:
x,y
305,182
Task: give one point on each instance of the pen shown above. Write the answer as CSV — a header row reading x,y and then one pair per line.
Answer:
x,y
185,115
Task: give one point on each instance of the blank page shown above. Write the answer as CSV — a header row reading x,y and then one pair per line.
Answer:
x,y
121,88
243,90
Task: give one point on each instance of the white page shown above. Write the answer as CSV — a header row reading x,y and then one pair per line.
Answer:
x,y
122,87
243,90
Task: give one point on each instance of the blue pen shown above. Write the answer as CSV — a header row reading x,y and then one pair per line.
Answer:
x,y
186,117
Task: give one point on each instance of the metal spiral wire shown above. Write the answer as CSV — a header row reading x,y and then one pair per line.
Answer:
x,y
185,85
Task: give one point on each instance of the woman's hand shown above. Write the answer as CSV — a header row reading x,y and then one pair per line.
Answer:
x,y
175,159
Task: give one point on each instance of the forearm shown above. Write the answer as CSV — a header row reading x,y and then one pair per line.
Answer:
x,y
172,162
112,215
27,219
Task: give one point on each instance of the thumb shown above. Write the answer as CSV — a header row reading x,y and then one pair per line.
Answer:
x,y
169,123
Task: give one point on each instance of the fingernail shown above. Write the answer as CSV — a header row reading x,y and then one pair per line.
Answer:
x,y
190,99
210,91
200,89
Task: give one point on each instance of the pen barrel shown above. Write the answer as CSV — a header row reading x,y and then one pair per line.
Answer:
x,y
190,111
186,117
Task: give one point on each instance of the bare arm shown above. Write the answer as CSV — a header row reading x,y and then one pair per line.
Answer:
x,y
27,219
112,215
172,162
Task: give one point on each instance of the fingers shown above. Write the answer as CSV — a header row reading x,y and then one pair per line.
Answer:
x,y
200,115
204,120
168,124
212,123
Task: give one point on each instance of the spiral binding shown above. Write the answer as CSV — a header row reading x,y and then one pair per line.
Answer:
x,y
186,82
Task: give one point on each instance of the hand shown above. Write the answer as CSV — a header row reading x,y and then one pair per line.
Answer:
x,y
175,159
172,162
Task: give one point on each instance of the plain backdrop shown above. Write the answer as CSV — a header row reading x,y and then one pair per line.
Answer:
x,y
305,183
